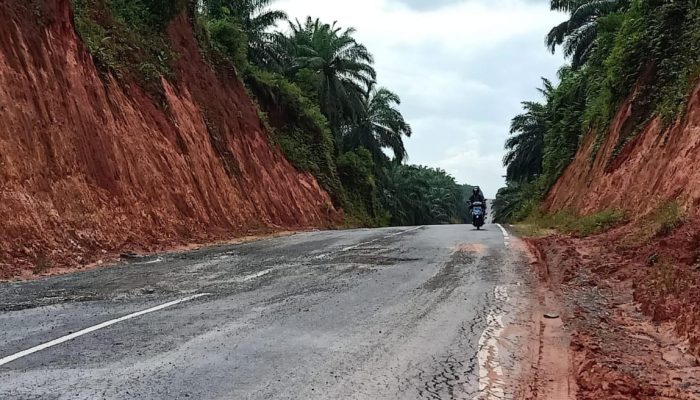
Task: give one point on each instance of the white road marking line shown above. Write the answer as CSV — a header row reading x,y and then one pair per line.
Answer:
x,y
375,240
505,232
506,236
488,355
256,275
74,335
402,232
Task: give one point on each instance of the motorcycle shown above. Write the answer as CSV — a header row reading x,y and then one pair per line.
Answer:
x,y
478,217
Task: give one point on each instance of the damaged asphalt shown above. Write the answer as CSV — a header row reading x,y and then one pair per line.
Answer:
x,y
392,313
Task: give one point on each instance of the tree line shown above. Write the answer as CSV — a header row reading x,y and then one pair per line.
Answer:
x,y
643,51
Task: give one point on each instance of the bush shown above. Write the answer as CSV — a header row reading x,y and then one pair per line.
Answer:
x,y
230,41
298,127
126,38
356,171
570,223
518,201
667,218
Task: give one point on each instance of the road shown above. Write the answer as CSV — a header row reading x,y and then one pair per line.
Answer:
x,y
397,313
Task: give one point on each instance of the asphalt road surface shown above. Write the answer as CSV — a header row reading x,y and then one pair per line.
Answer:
x,y
397,313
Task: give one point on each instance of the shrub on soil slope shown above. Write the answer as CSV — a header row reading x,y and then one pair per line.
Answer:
x,y
127,37
568,222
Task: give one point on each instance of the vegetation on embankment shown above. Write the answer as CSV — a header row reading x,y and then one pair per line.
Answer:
x,y
540,224
314,84
643,54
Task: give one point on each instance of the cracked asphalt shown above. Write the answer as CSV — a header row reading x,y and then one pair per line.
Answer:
x,y
392,313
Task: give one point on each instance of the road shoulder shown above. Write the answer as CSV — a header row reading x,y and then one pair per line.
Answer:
x,y
616,352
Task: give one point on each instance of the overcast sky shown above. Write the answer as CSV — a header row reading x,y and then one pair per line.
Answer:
x,y
461,68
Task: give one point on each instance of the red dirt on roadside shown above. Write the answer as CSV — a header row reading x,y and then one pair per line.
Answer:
x,y
633,310
91,167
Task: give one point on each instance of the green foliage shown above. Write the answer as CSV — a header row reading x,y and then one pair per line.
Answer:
x,y
526,143
299,127
666,219
417,195
337,67
578,34
240,30
565,108
229,40
356,170
569,222
516,201
646,52
381,127
126,37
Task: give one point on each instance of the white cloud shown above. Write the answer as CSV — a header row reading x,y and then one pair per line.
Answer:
x,y
461,68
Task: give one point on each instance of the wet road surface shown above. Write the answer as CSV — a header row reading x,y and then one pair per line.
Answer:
x,y
396,313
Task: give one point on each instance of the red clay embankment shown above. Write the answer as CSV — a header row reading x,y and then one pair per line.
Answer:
x,y
656,166
633,293
90,167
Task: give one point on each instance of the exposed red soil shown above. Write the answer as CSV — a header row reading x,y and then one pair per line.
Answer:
x,y
635,299
656,166
90,167
634,310
549,375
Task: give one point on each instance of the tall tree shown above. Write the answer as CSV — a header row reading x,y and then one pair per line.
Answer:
x,y
337,67
526,144
382,127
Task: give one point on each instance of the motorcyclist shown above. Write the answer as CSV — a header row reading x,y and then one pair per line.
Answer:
x,y
477,196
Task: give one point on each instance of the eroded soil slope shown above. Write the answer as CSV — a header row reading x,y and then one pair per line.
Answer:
x,y
633,293
90,167
657,165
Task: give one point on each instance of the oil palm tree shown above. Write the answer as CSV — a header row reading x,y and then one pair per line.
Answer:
x,y
382,126
578,34
526,144
338,67
405,194
509,200
255,18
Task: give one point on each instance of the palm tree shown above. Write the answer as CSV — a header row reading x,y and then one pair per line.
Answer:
x,y
509,200
418,195
526,144
382,127
578,34
405,195
340,68
255,19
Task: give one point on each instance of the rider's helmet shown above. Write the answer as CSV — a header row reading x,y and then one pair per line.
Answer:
x,y
477,190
